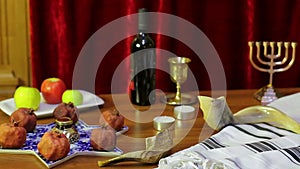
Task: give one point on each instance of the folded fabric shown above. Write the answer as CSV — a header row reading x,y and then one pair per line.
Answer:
x,y
241,146
245,146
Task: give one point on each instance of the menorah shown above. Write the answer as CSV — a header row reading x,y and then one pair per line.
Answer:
x,y
274,62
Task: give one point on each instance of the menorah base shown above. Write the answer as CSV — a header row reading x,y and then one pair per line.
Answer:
x,y
185,99
260,93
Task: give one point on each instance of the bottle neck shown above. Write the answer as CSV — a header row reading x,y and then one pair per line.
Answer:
x,y
142,32
142,20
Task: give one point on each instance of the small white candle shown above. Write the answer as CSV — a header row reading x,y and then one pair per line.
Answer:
x,y
184,112
163,122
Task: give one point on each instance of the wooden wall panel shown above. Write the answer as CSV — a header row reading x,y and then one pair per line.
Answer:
x,y
14,45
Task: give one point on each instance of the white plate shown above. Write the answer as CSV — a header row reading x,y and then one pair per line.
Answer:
x,y
8,106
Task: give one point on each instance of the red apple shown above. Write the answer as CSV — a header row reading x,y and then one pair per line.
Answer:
x,y
52,90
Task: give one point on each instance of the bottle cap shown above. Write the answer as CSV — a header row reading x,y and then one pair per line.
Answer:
x,y
184,112
163,122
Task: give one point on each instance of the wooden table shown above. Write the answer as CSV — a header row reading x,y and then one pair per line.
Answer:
x,y
139,121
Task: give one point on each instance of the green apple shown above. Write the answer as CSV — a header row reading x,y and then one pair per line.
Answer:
x,y
73,96
27,97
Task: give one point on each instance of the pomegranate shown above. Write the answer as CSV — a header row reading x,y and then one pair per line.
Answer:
x,y
25,117
112,118
66,110
54,146
103,138
12,136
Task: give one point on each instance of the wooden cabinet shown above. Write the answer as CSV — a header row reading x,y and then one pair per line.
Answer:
x,y
14,45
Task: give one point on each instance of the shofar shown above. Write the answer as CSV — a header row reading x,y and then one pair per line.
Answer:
x,y
217,114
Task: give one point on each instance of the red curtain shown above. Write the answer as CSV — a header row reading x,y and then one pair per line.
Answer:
x,y
59,30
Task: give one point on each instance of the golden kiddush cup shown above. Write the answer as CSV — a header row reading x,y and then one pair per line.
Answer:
x,y
178,74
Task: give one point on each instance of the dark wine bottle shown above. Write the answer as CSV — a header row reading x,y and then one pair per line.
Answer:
x,y
143,64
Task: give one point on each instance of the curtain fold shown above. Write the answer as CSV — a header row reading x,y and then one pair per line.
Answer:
x,y
60,28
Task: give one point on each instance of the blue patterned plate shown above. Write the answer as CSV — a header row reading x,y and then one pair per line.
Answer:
x,y
81,147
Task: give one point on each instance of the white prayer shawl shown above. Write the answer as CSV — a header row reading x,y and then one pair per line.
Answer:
x,y
245,146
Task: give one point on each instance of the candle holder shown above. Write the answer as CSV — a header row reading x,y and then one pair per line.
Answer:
x,y
272,62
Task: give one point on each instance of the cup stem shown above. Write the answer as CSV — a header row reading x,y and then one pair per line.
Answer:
x,y
178,93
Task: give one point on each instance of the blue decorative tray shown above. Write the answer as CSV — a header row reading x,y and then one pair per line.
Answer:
x,y
81,147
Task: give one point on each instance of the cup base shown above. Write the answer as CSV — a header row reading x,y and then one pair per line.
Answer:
x,y
186,99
